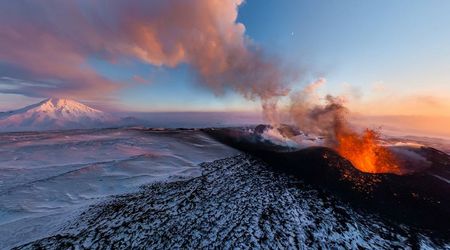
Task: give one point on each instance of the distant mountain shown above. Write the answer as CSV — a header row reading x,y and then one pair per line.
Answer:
x,y
56,114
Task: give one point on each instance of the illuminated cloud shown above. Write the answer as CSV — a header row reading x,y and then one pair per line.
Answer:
x,y
404,104
139,79
47,44
379,87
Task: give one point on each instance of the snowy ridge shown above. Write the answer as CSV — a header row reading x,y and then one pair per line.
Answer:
x,y
54,114
236,204
48,177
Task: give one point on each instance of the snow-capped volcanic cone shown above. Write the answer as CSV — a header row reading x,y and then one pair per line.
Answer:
x,y
55,114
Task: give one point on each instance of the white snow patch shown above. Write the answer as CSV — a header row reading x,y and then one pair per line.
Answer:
x,y
47,177
55,114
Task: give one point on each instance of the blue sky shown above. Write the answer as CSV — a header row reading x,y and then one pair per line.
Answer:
x,y
404,45
369,50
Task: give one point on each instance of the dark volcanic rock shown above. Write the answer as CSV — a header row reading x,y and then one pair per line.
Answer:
x,y
261,128
420,199
239,203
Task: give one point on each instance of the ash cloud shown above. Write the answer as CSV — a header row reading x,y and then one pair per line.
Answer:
x,y
52,41
317,115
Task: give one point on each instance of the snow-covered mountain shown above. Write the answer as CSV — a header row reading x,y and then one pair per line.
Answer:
x,y
55,114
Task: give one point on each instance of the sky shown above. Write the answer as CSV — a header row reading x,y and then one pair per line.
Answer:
x,y
385,57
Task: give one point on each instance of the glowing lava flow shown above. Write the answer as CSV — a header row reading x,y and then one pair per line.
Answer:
x,y
365,152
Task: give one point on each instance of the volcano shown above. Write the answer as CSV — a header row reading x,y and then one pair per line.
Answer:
x,y
420,197
54,114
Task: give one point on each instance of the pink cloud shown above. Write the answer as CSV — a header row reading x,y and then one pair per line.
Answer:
x,y
139,79
50,42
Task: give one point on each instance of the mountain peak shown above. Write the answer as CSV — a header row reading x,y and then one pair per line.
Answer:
x,y
55,101
54,113
61,104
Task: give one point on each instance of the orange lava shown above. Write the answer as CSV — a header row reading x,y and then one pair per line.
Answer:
x,y
365,152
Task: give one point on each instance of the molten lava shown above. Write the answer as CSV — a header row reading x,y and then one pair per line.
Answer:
x,y
365,152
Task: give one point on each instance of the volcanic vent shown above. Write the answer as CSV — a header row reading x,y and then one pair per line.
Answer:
x,y
414,195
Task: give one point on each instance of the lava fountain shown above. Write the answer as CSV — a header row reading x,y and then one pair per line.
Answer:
x,y
365,152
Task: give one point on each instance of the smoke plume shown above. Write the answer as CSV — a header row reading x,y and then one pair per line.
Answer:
x,y
47,46
329,119
316,115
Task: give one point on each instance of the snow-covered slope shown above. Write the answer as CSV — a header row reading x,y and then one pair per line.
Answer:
x,y
52,114
237,203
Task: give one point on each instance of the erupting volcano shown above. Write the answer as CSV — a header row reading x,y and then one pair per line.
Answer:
x,y
330,120
359,168
365,152
278,163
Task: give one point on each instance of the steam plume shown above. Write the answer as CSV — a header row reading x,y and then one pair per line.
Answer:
x,y
307,112
51,42
330,120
